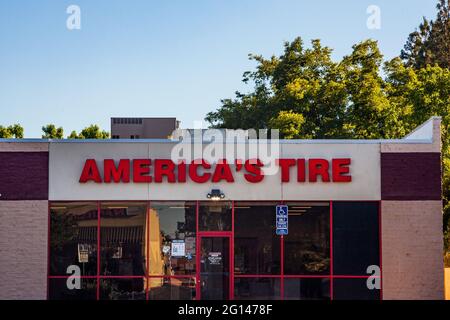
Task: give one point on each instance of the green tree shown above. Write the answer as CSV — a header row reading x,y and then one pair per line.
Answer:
x,y
12,131
368,112
51,132
288,123
430,44
91,132
307,95
73,135
303,81
345,99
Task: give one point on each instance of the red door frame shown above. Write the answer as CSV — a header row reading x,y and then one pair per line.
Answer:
x,y
216,234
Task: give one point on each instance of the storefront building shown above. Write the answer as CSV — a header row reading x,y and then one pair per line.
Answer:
x,y
364,220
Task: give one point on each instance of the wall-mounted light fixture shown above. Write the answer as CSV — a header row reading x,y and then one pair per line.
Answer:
x,y
215,195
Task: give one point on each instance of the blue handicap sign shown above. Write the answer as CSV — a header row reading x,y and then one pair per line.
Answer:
x,y
282,210
281,220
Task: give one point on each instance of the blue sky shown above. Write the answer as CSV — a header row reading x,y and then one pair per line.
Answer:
x,y
164,58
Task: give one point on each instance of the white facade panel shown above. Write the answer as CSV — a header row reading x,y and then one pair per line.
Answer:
x,y
364,169
67,161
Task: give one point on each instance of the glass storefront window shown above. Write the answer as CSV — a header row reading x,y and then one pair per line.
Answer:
x,y
172,238
256,246
306,289
355,237
73,237
122,289
172,289
152,246
123,232
58,289
257,288
354,289
307,246
214,216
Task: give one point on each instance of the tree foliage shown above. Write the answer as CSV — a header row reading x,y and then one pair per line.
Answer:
x,y
91,132
345,99
306,95
288,123
430,43
12,131
51,132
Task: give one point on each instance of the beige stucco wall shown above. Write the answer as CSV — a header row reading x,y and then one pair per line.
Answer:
x,y
412,264
23,249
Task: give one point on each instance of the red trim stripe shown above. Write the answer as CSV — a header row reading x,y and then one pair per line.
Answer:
x,y
331,252
98,249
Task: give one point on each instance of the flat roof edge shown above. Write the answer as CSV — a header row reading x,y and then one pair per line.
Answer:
x,y
252,141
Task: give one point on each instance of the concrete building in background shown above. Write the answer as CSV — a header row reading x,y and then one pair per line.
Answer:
x,y
143,128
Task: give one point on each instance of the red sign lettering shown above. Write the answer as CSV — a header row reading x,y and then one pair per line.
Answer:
x,y
200,171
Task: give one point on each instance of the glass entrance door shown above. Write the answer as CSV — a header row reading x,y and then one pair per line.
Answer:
x,y
215,266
